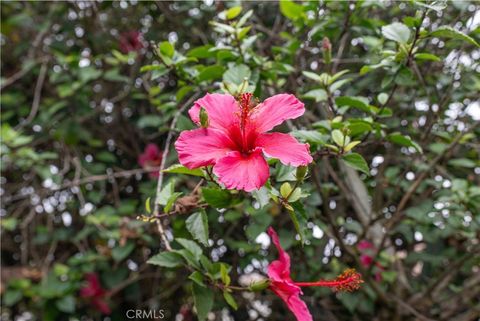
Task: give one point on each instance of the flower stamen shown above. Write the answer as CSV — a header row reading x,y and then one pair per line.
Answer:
x,y
348,281
245,106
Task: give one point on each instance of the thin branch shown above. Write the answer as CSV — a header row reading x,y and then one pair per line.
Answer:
x,y
156,208
37,96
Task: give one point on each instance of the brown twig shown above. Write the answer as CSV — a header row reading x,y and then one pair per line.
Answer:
x,y
156,208
36,96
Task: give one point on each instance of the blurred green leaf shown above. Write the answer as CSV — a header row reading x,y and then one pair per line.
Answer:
x,y
166,259
397,32
180,169
66,304
120,253
451,33
230,300
216,197
203,300
356,161
197,225
291,10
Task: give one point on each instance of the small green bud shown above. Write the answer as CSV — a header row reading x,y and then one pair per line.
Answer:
x,y
203,118
327,50
301,172
259,285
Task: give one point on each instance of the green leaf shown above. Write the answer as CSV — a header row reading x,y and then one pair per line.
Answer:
x,y
148,205
427,56
351,145
224,274
166,49
233,12
389,276
197,277
311,136
197,225
211,73
237,74
462,162
451,33
150,121
9,223
355,102
166,259
295,195
66,304
244,18
397,32
285,189
189,257
171,201
402,140
106,157
201,52
191,246
291,10
203,300
338,84
262,196
358,127
11,297
312,76
357,162
317,94
152,68
180,169
337,75
121,252
166,193
216,197
338,137
230,300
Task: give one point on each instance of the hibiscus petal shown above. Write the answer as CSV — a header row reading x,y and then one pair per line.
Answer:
x,y
275,110
290,294
221,109
278,270
152,151
284,147
243,172
101,306
202,147
299,308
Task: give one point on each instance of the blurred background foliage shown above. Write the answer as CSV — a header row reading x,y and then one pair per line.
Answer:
x,y
392,97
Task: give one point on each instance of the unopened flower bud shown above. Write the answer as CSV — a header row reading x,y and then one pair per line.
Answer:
x,y
260,285
301,172
327,50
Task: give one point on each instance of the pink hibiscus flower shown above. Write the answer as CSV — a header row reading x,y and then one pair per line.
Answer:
x,y
364,245
366,259
289,291
130,41
151,158
236,141
95,293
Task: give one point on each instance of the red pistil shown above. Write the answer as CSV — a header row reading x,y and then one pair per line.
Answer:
x,y
348,281
245,105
